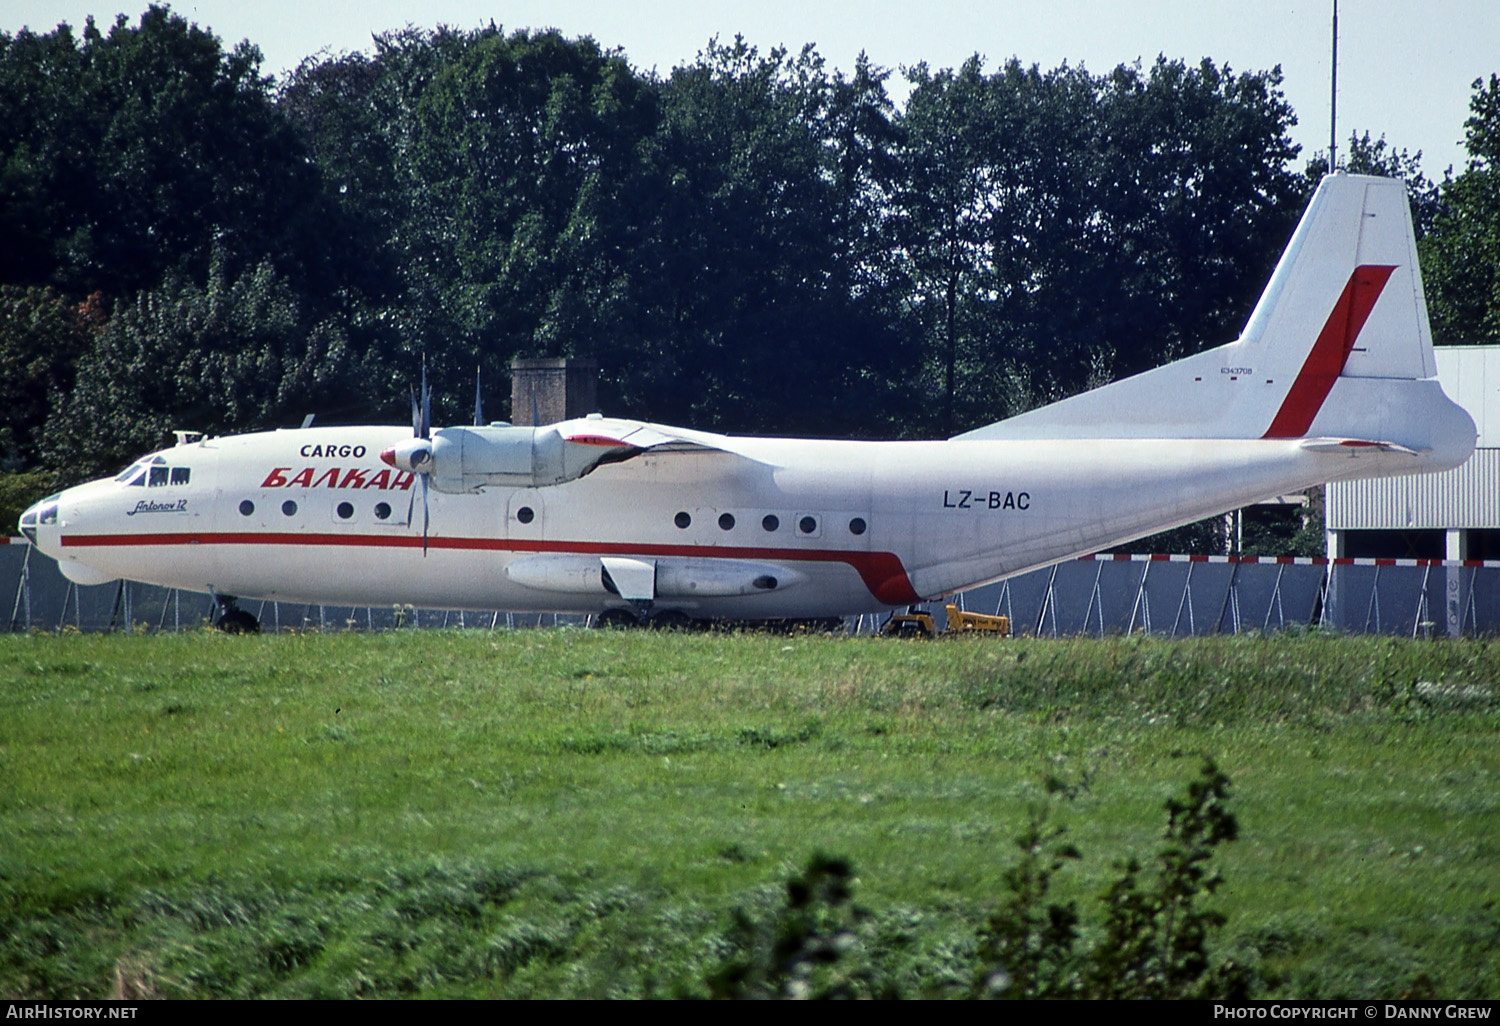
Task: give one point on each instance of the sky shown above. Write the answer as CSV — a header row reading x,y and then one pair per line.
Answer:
x,y
1406,67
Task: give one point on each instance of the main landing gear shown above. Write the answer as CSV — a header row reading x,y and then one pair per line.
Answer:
x,y
231,619
665,620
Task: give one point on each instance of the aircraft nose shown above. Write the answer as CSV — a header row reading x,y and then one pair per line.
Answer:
x,y
40,513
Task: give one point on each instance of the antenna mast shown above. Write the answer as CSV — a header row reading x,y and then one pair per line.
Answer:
x,y
1333,99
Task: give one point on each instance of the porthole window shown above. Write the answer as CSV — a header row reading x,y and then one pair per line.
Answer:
x,y
382,511
682,520
247,508
289,508
770,522
345,510
525,514
857,525
807,525
726,521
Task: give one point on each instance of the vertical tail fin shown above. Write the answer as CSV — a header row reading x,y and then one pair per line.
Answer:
x,y
1340,324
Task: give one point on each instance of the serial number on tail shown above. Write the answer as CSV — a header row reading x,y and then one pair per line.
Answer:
x,y
965,498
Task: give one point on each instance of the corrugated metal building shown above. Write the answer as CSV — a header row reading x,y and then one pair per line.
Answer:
x,y
1453,515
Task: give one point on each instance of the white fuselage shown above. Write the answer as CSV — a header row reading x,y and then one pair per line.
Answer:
x,y
840,527
1331,379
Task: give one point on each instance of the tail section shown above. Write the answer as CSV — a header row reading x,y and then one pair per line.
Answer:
x,y
1338,351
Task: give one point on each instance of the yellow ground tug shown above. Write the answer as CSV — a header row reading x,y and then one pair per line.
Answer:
x,y
918,623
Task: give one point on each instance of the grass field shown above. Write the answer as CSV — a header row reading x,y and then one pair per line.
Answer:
x,y
567,813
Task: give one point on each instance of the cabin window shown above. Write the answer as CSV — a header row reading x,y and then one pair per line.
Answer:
x,y
525,514
345,510
289,508
771,522
682,520
180,475
158,477
125,475
247,508
382,511
726,521
857,526
139,480
807,525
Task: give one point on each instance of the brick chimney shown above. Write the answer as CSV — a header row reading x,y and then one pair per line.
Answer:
x,y
548,389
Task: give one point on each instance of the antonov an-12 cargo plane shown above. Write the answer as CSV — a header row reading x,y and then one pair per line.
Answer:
x,y
1332,379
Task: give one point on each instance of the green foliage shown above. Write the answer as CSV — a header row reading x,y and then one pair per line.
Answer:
x,y
753,242
42,336
810,950
19,491
128,154
1063,228
1153,941
1027,947
1461,255
202,816
224,356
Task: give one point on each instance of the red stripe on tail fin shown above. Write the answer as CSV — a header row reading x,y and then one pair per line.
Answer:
x,y
1330,352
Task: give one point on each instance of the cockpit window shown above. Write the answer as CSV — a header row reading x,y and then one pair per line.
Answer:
x,y
153,471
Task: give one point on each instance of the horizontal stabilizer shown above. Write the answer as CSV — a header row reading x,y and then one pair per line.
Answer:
x,y
1354,445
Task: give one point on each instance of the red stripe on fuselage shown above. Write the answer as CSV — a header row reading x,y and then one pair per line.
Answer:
x,y
881,572
1330,352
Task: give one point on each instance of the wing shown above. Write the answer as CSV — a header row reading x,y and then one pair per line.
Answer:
x,y
630,437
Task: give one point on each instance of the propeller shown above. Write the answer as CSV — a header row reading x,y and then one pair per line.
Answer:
x,y
415,454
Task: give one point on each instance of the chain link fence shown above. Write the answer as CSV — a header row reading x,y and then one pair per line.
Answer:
x,y
1172,596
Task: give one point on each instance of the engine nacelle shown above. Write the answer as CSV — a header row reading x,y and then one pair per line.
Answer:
x,y
465,459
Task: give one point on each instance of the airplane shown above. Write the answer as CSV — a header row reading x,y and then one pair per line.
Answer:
x,y
633,522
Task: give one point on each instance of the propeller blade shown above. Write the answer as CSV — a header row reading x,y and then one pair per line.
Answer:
x,y
424,516
426,403
416,416
478,405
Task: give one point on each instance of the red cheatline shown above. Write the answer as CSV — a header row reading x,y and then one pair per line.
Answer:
x,y
881,572
1325,362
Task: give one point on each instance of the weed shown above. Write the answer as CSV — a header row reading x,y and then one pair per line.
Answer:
x,y
809,950
1154,938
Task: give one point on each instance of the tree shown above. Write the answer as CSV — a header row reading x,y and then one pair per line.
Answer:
x,y
1198,204
1060,228
230,355
125,155
1461,254
41,335
766,290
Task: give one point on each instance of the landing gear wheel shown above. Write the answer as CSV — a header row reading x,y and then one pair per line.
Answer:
x,y
615,619
238,621
672,620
